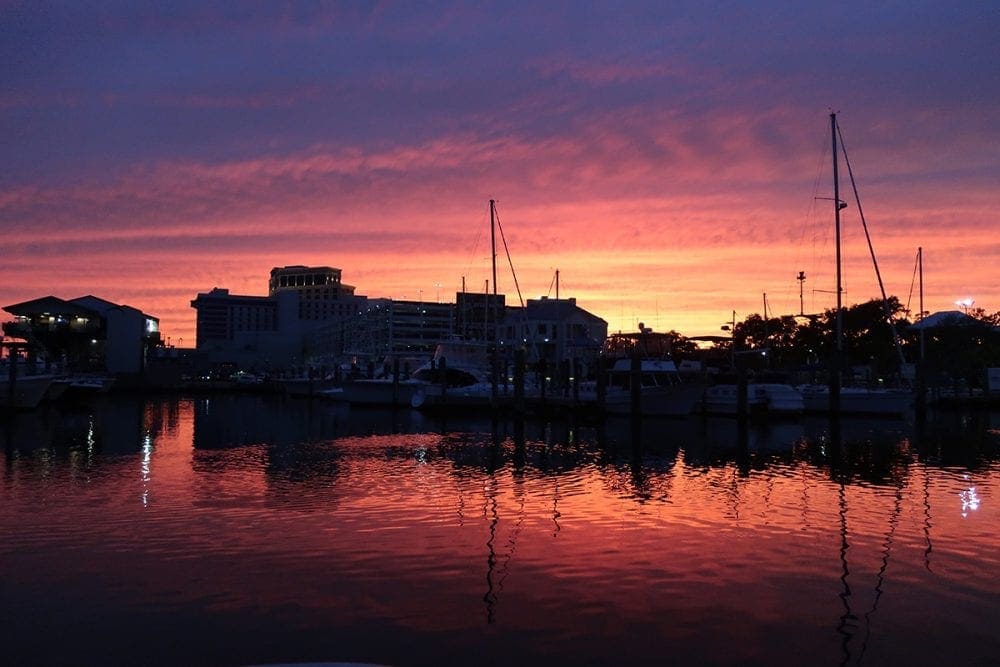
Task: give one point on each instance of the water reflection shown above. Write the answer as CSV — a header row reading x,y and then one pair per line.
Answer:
x,y
534,538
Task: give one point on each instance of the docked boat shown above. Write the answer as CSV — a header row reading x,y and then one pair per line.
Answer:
x,y
376,391
839,399
458,369
858,400
663,391
763,398
25,392
24,384
90,384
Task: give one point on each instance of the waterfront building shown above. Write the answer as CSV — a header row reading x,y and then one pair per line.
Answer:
x,y
310,317
396,328
86,333
252,332
298,321
554,330
322,295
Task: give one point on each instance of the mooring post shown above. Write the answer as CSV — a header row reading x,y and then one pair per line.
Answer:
x,y
443,375
576,381
742,400
635,384
395,381
519,381
601,383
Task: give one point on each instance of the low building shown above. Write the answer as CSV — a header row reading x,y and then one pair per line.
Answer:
x,y
86,334
554,330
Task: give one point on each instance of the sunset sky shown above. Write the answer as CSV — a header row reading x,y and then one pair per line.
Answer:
x,y
666,157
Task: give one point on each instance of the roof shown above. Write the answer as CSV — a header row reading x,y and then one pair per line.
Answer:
x,y
945,318
556,309
51,305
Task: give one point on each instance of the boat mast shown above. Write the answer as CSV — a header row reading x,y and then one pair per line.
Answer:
x,y
496,320
839,348
920,262
493,243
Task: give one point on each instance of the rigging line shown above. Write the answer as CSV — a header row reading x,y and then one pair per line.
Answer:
x,y
811,224
509,261
871,248
475,247
880,577
913,279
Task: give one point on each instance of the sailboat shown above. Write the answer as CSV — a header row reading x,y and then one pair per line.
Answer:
x,y
835,398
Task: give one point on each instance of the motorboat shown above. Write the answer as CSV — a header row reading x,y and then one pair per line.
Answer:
x,y
662,392
764,398
858,400
458,367
21,389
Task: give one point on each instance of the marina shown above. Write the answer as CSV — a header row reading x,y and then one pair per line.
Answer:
x,y
399,334
406,539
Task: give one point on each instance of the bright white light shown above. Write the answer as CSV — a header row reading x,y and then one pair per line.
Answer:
x,y
970,500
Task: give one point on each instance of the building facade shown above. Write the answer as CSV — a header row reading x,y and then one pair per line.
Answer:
x,y
322,295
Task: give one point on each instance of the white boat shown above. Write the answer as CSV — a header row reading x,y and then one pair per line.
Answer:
x,y
23,385
459,368
90,384
768,398
60,385
663,392
858,400
24,391
377,391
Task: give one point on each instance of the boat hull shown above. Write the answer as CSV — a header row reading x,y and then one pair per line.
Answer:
x,y
380,392
25,392
769,399
859,401
672,401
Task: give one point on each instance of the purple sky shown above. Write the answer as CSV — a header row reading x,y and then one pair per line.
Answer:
x,y
664,156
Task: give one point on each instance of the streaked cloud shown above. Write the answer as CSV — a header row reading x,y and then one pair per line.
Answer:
x,y
667,158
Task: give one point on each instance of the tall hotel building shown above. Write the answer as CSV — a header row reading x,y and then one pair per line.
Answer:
x,y
322,296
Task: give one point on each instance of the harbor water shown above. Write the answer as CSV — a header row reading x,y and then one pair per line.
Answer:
x,y
249,529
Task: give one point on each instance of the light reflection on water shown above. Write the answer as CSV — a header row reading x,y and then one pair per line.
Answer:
x,y
239,530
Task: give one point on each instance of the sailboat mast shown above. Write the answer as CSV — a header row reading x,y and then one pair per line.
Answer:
x,y
494,365
836,210
839,349
920,262
493,243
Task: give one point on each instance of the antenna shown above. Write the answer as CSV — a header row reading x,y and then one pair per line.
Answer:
x,y
802,280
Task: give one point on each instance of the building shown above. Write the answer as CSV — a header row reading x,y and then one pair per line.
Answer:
x,y
554,330
251,332
86,334
311,317
299,321
322,295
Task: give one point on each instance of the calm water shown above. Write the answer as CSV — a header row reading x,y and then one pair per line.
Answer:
x,y
248,530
